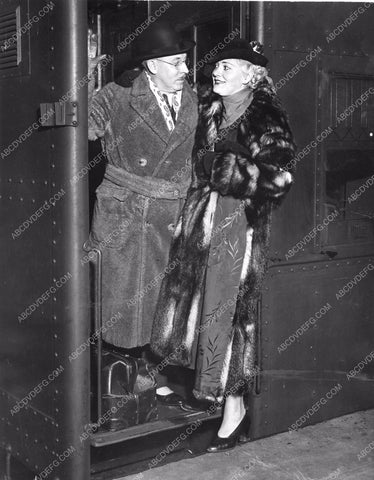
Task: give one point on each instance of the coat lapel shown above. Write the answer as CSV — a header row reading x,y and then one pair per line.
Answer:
x,y
186,123
145,104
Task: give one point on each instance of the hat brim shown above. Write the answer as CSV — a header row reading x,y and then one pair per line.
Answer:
x,y
239,54
183,47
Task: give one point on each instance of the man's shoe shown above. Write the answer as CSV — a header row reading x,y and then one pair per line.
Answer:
x,y
194,405
220,444
170,400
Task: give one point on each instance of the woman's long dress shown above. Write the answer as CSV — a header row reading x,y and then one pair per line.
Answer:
x,y
225,264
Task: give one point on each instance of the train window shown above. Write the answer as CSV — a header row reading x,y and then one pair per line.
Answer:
x,y
349,190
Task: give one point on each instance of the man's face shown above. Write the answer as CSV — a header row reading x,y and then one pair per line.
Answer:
x,y
229,77
170,72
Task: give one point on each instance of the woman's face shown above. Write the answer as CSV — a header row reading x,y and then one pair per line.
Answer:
x,y
230,76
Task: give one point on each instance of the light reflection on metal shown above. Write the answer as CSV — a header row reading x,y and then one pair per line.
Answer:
x,y
99,46
258,22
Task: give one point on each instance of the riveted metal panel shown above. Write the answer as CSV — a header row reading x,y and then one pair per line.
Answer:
x,y
314,21
44,308
312,336
309,89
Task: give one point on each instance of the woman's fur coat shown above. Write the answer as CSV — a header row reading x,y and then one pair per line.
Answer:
x,y
253,168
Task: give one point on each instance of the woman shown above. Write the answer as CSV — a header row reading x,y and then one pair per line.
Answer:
x,y
208,303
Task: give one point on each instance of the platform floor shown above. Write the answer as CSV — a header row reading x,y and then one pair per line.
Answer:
x,y
326,451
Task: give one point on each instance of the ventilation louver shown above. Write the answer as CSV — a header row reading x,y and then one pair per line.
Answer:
x,y
10,40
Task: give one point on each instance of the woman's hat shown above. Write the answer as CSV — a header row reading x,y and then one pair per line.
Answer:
x,y
244,50
159,40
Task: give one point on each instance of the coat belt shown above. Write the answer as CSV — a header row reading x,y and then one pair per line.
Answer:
x,y
147,186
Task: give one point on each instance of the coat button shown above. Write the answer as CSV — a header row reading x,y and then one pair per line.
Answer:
x,y
142,162
171,227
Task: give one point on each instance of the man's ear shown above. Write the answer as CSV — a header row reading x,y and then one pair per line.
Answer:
x,y
151,66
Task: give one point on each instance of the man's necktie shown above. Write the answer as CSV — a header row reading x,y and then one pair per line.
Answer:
x,y
171,108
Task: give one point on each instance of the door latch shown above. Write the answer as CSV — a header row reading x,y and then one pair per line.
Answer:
x,y
59,114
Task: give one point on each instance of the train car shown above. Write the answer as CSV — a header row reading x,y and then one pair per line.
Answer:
x,y
315,316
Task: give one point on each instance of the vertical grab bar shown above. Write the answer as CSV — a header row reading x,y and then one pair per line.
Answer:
x,y
98,324
259,341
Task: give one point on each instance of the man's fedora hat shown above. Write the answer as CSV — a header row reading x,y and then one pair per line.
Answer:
x,y
244,50
159,40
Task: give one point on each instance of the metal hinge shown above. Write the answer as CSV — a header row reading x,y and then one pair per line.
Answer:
x,y
59,114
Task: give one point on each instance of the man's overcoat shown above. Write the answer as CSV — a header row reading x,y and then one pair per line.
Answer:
x,y
138,202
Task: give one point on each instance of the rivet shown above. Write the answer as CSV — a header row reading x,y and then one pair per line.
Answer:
x,y
52,48
33,181
55,335
54,242
45,182
21,180
52,87
33,200
21,199
53,184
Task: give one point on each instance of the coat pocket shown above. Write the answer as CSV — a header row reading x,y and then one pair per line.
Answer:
x,y
113,219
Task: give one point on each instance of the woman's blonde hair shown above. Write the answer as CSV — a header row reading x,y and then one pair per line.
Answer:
x,y
256,72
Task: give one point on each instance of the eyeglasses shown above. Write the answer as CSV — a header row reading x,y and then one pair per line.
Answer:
x,y
178,63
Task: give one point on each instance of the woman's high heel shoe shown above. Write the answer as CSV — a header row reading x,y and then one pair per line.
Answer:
x,y
219,444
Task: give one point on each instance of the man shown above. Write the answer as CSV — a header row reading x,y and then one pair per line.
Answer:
x,y
147,132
